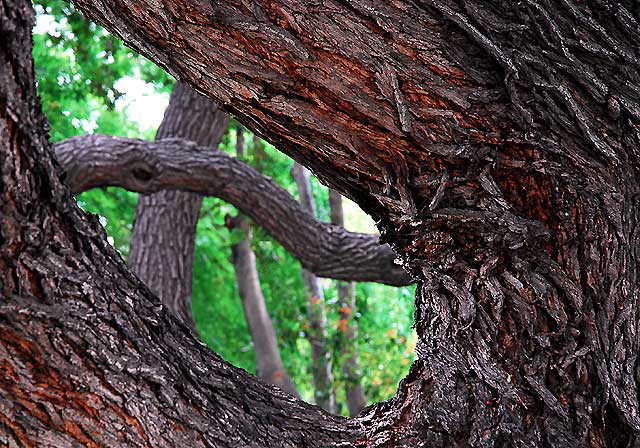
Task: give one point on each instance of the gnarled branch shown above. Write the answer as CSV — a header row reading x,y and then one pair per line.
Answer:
x,y
146,167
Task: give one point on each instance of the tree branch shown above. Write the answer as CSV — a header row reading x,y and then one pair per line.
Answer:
x,y
147,167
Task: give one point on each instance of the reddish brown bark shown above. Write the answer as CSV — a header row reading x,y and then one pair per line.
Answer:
x,y
88,356
497,145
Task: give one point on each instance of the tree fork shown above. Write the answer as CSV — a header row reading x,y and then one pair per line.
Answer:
x,y
497,145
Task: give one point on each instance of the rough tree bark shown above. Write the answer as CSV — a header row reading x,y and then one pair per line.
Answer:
x,y
164,225
496,143
88,355
269,365
323,391
348,333
98,161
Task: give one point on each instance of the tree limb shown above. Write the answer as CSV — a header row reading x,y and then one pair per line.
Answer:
x,y
147,167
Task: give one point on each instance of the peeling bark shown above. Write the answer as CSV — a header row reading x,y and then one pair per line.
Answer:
x,y
164,225
324,394
148,167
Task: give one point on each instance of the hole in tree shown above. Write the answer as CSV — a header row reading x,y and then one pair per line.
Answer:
x,y
142,174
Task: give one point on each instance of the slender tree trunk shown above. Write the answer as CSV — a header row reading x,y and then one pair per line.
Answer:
x,y
324,393
351,373
240,140
258,149
164,225
269,367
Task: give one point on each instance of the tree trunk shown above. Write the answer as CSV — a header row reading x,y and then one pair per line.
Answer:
x,y
496,144
240,142
351,373
269,366
164,225
88,355
258,149
324,393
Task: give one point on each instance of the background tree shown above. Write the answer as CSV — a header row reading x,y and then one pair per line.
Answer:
x,y
316,309
347,327
88,62
164,224
269,365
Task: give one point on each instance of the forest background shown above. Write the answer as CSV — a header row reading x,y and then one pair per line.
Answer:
x,y
83,73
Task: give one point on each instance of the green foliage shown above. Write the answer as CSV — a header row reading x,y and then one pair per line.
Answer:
x,y
215,306
114,207
383,318
386,340
280,276
384,314
78,65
